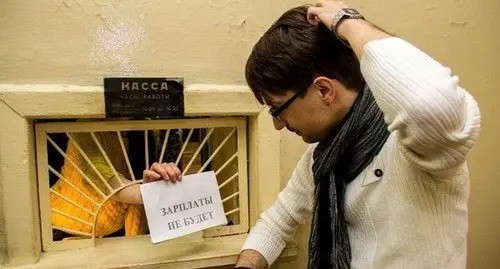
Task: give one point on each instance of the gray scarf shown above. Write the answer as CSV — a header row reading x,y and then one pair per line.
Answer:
x,y
338,159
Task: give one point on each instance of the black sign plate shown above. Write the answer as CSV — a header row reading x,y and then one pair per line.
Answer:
x,y
144,97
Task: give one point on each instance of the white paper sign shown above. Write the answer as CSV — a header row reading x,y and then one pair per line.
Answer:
x,y
177,209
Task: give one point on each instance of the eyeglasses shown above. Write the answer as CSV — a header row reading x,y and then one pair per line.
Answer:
x,y
276,111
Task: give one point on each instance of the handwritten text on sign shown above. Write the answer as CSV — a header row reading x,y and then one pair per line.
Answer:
x,y
177,209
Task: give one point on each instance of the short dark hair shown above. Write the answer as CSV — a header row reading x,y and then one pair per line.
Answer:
x,y
293,51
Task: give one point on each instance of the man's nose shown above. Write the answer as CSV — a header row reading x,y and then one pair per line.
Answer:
x,y
278,124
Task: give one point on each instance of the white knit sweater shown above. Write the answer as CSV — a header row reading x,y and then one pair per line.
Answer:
x,y
411,212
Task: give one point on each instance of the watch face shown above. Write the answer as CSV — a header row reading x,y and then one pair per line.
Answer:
x,y
350,11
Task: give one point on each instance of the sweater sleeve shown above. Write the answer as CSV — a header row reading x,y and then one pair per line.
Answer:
x,y
437,122
294,205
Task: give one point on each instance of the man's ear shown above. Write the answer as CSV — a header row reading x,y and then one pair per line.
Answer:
x,y
327,89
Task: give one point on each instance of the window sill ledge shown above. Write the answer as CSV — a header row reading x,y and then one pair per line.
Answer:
x,y
191,251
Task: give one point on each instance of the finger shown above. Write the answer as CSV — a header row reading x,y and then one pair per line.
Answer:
x,y
312,15
150,176
170,171
177,171
158,168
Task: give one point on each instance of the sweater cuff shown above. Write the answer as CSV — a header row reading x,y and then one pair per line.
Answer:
x,y
269,247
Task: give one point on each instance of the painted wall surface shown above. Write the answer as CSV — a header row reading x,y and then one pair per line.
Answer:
x,y
78,42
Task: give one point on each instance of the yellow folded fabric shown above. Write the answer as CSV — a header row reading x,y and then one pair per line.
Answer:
x,y
114,214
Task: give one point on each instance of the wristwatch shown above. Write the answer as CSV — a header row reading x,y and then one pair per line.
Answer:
x,y
339,16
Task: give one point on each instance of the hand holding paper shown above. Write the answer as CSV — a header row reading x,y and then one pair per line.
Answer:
x,y
166,171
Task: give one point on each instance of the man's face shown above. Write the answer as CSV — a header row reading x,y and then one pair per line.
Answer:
x,y
309,116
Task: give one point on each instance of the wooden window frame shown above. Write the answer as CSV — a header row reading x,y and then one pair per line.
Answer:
x,y
43,129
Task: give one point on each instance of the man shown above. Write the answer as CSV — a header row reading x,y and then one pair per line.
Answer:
x,y
387,183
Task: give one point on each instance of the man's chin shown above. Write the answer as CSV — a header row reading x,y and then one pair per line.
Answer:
x,y
308,139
